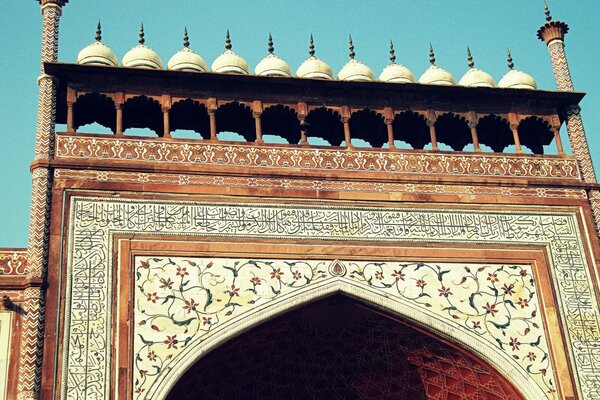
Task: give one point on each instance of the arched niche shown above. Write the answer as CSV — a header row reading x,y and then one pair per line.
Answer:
x,y
453,130
190,115
338,347
535,133
282,121
143,112
325,124
411,128
494,131
369,126
263,313
94,108
237,118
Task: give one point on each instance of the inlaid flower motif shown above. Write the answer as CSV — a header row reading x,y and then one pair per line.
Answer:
x,y
297,275
166,283
255,280
421,283
444,291
476,325
378,275
531,356
523,302
493,277
514,343
233,291
399,276
206,320
151,355
508,289
152,297
171,341
182,271
490,309
190,305
277,274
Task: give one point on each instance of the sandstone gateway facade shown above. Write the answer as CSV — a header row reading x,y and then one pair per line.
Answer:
x,y
160,267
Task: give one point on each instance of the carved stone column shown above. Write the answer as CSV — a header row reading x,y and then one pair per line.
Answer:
x,y
553,34
33,325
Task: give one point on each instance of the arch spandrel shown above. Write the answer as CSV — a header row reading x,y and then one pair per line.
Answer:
x,y
186,307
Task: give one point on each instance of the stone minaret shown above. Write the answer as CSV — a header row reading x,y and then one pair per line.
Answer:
x,y
553,34
33,327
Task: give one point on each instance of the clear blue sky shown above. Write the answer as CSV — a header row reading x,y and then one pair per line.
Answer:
x,y
488,27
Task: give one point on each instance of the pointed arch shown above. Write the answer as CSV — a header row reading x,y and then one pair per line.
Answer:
x,y
369,126
94,107
535,133
453,130
282,121
143,112
190,115
236,117
411,128
264,312
326,124
494,131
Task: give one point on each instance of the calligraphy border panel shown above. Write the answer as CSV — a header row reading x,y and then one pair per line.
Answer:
x,y
93,221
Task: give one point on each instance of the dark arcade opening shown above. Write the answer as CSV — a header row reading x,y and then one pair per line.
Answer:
x,y
339,348
411,128
281,121
368,126
326,124
495,132
453,130
535,133
190,115
236,117
94,108
143,112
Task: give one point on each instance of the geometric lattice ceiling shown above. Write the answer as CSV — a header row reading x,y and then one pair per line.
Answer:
x,y
337,348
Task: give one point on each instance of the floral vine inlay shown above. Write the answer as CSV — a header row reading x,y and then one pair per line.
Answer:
x,y
181,301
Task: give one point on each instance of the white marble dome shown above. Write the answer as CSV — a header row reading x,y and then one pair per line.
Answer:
x,y
396,73
314,67
435,75
186,59
229,62
97,53
474,77
142,56
355,70
272,65
516,79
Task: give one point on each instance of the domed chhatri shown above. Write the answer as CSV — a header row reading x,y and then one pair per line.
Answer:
x,y
272,65
435,75
97,53
354,70
516,79
186,59
314,67
142,56
396,73
475,77
229,62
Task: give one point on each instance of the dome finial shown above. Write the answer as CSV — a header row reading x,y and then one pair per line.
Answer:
x,y
470,58
509,59
547,12
186,38
141,40
311,46
99,32
392,53
431,55
351,48
227,41
271,48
